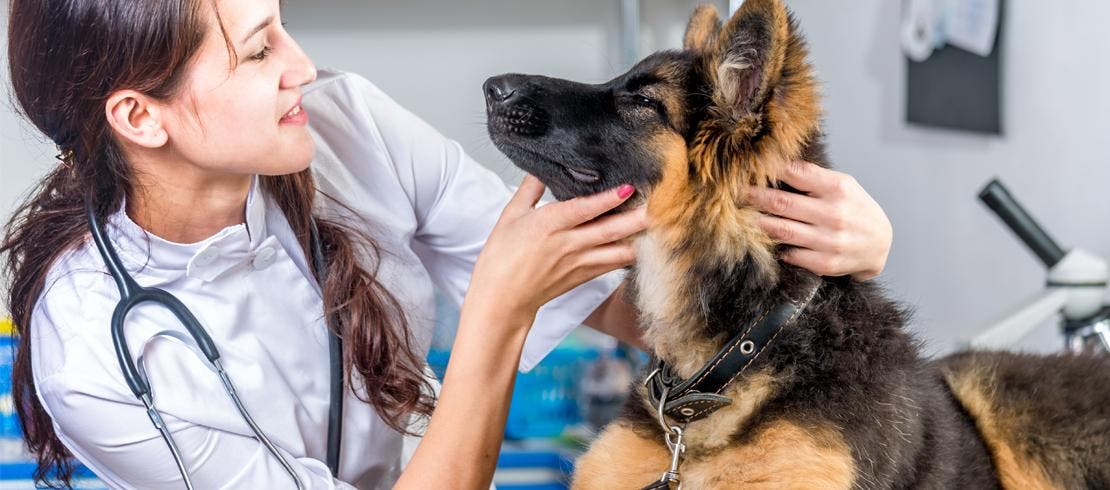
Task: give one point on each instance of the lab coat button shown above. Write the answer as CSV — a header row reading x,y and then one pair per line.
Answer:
x,y
264,258
206,256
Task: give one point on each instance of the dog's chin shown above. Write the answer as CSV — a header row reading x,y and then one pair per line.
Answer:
x,y
562,190
563,181
556,178
564,187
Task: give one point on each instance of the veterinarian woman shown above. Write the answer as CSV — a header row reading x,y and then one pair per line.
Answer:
x,y
202,154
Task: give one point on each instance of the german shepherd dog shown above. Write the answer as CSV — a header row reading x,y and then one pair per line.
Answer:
x,y
839,395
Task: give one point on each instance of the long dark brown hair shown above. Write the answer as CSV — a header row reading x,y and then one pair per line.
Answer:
x,y
66,57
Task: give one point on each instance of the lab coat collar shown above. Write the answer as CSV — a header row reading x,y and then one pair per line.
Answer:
x,y
204,260
256,213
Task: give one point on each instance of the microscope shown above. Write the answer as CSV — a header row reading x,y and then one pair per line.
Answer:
x,y
1075,287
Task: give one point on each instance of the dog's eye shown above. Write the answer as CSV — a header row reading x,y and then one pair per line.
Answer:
x,y
644,106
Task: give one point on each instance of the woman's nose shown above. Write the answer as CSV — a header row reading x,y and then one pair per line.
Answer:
x,y
300,71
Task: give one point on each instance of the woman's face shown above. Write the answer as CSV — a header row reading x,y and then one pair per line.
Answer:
x,y
241,114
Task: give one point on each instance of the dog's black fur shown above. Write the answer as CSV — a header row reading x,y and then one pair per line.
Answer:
x,y
846,366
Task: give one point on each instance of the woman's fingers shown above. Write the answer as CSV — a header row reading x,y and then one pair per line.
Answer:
x,y
526,197
838,228
605,258
819,263
611,228
798,207
573,212
795,233
814,179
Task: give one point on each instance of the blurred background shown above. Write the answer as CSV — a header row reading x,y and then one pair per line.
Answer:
x,y
952,260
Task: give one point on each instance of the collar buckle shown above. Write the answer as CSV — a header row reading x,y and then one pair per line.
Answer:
x,y
700,395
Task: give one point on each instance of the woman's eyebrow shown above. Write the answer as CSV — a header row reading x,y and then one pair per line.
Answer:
x,y
261,25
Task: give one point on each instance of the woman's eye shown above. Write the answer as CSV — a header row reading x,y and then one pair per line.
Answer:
x,y
262,54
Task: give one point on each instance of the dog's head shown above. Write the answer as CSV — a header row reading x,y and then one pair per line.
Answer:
x,y
691,129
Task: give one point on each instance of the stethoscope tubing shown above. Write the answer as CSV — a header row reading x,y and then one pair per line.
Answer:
x,y
132,295
335,349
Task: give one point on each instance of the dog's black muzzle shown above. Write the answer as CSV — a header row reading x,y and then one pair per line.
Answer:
x,y
510,109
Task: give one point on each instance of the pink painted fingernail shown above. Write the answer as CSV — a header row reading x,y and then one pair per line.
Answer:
x,y
625,190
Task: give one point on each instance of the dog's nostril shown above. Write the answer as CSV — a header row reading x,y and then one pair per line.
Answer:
x,y
498,89
498,93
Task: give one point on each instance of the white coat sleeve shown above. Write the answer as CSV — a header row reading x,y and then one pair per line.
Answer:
x,y
107,429
456,202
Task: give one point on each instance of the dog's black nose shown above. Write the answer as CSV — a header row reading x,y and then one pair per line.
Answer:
x,y
499,89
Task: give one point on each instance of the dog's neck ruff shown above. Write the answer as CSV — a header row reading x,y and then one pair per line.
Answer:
x,y
698,396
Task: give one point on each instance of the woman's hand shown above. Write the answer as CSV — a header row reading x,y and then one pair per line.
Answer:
x,y
536,254
836,228
532,256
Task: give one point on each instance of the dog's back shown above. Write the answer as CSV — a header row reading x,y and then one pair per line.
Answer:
x,y
1046,419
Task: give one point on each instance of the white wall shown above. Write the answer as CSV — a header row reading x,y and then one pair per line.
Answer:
x,y
24,155
951,259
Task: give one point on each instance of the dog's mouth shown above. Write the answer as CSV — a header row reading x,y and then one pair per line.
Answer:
x,y
566,181
582,175
521,120
519,131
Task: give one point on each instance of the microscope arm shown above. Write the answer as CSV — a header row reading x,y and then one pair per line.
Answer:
x,y
1012,327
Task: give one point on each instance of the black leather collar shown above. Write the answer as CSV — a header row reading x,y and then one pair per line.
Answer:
x,y
694,398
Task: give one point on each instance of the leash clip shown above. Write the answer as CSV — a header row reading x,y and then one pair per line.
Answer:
x,y
677,448
672,436
671,480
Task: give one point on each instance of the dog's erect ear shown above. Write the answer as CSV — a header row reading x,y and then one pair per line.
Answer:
x,y
750,52
702,31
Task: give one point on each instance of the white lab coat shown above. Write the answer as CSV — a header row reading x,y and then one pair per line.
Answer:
x,y
429,207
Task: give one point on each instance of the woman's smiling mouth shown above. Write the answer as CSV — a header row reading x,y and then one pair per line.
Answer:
x,y
296,115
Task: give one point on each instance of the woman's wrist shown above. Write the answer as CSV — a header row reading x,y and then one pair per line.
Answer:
x,y
466,428
499,307
495,321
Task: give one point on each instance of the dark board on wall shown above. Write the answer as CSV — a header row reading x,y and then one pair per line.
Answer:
x,y
957,89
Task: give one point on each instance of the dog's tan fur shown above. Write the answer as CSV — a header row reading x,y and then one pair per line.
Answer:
x,y
842,397
1010,425
780,455
1015,467
701,198
621,458
707,436
703,28
682,210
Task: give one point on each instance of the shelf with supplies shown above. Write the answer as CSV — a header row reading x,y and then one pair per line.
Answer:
x,y
16,465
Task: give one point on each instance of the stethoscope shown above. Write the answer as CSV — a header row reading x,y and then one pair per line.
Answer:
x,y
132,294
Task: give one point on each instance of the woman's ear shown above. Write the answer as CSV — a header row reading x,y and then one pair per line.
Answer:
x,y
136,118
